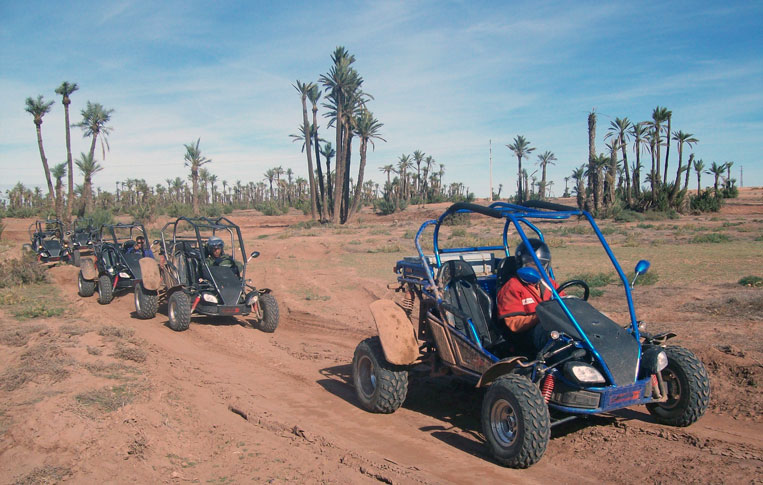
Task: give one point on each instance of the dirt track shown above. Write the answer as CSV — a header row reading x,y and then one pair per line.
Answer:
x,y
225,403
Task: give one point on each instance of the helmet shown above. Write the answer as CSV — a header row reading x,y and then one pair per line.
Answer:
x,y
214,242
524,256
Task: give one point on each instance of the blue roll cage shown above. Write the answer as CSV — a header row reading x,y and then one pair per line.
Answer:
x,y
516,216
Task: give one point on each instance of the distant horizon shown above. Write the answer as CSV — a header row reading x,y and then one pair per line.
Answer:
x,y
446,79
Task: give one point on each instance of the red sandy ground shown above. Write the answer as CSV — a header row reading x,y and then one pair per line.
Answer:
x,y
225,403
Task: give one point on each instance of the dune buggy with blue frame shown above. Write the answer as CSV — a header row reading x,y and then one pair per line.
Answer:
x,y
47,241
191,280
81,237
589,364
115,266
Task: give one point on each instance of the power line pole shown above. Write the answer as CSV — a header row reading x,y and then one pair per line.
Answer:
x,y
490,197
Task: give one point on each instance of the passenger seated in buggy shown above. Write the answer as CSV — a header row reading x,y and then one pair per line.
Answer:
x,y
216,255
517,299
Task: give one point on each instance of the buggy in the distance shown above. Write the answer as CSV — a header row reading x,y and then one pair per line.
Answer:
x,y
48,241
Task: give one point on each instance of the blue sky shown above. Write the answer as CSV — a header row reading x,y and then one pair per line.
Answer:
x,y
447,77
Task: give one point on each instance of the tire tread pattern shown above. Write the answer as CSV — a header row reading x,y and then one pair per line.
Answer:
x,y
149,302
182,311
270,313
391,380
698,389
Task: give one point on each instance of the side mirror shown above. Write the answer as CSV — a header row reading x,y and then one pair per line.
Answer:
x,y
528,275
641,268
253,255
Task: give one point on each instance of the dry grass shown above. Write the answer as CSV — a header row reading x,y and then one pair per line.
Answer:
x,y
44,475
18,335
116,332
113,370
72,329
42,360
129,352
110,398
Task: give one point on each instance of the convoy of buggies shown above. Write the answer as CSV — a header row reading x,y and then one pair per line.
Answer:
x,y
186,274
587,364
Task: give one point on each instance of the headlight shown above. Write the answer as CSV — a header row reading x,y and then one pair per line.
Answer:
x,y
111,270
90,242
209,298
44,254
122,274
662,361
583,373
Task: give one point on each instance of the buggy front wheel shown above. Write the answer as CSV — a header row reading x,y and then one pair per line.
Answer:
x,y
76,258
146,302
688,389
179,309
380,386
270,314
515,421
105,290
85,287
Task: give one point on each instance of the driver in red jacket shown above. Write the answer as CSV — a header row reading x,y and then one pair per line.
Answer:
x,y
517,299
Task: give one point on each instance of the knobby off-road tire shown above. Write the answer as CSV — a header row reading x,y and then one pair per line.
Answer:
x,y
688,389
76,258
85,287
515,421
146,302
380,386
270,313
105,290
179,310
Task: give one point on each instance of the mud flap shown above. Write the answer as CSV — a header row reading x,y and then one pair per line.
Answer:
x,y
395,332
87,267
149,270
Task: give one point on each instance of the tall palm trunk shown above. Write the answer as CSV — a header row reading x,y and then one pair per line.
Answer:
x,y
667,152
44,161
688,172
626,170
592,202
69,162
308,149
359,185
59,198
323,202
195,189
339,165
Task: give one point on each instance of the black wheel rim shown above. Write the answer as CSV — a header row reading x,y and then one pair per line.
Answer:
x,y
673,385
366,376
504,423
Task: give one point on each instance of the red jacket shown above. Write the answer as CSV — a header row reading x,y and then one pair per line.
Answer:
x,y
518,299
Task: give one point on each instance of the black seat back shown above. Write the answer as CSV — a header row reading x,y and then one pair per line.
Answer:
x,y
462,290
506,269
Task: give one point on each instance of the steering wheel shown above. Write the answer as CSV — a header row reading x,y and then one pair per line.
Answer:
x,y
580,283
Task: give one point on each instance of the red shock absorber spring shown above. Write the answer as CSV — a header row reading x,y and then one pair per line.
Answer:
x,y
547,387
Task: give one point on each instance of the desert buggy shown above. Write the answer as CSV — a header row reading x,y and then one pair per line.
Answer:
x,y
589,364
47,241
191,280
81,238
115,267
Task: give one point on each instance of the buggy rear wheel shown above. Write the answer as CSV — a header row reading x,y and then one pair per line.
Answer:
x,y
76,258
146,302
85,287
179,309
380,386
688,389
270,314
105,290
515,421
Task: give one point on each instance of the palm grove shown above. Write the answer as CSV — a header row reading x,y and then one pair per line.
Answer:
x,y
607,183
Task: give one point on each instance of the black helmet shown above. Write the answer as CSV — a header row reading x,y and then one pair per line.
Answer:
x,y
540,249
214,242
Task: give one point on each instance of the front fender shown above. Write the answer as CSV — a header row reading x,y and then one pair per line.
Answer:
x,y
88,269
395,332
149,270
499,369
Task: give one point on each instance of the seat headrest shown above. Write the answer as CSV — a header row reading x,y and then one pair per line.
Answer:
x,y
456,270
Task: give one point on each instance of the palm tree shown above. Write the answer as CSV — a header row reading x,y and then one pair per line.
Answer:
x,y
89,167
59,172
619,130
418,157
388,169
367,129
403,164
194,160
611,173
682,139
728,174
717,172
270,175
65,90
669,115
521,148
639,133
699,166
94,120
314,95
544,159
579,176
659,116
344,96
304,89
39,108
592,203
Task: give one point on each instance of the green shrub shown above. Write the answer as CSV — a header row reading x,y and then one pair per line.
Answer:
x,y
271,209
102,216
594,280
458,219
21,271
706,202
755,281
176,209
714,238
